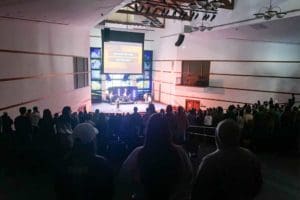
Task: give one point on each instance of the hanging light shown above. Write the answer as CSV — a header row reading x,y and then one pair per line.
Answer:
x,y
269,12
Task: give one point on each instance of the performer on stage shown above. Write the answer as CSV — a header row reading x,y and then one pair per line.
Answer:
x,y
146,97
118,103
149,99
110,97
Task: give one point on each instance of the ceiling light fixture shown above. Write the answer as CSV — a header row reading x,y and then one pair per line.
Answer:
x,y
203,28
269,12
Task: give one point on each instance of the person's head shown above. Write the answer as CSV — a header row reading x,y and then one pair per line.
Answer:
x,y
97,111
157,132
162,111
84,136
5,114
220,110
29,111
22,110
169,109
151,108
135,109
180,110
47,114
228,134
35,109
66,111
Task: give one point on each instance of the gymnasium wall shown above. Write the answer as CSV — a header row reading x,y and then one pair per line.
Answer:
x,y
241,71
36,66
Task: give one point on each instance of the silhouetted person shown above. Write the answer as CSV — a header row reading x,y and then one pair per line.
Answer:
x,y
158,169
171,119
35,118
135,126
7,123
231,172
150,111
182,124
23,127
84,175
64,128
46,125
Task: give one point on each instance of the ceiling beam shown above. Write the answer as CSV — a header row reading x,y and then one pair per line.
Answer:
x,y
130,23
131,12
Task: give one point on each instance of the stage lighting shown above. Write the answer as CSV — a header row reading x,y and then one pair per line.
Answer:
x,y
147,10
136,7
183,15
192,15
167,12
174,13
205,17
142,8
213,17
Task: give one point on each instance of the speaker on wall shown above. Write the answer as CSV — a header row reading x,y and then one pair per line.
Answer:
x,y
179,40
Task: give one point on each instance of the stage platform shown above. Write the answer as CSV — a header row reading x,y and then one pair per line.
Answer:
x,y
125,108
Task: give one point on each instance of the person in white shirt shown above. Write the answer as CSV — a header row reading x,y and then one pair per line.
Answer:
x,y
208,119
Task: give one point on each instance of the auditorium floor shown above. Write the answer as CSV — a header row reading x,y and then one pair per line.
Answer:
x,y
281,181
125,108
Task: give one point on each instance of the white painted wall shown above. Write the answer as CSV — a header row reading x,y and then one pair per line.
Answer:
x,y
227,57
52,84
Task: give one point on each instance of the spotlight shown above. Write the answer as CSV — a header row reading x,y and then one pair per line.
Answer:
x,y
154,11
213,17
205,17
174,13
147,10
142,8
192,15
183,15
167,12
136,7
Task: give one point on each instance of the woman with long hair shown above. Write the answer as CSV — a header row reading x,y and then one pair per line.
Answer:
x,y
157,170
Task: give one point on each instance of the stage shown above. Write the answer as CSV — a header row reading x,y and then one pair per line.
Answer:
x,y
126,108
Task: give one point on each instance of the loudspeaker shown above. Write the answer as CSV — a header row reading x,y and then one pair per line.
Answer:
x,y
179,40
106,34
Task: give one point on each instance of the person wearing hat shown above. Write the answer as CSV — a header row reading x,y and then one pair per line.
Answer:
x,y
84,175
229,173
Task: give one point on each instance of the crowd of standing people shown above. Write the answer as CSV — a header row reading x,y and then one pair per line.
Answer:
x,y
157,164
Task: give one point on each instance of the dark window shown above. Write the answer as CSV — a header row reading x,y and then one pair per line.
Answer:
x,y
81,72
195,73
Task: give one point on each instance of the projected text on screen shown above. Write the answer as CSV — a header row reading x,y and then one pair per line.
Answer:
x,y
123,57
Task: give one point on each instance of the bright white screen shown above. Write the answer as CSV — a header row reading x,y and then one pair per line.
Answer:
x,y
123,57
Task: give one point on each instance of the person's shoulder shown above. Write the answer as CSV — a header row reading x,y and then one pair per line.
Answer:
x,y
248,153
179,149
101,162
212,157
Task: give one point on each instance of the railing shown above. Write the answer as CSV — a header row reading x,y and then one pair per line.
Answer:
x,y
204,131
